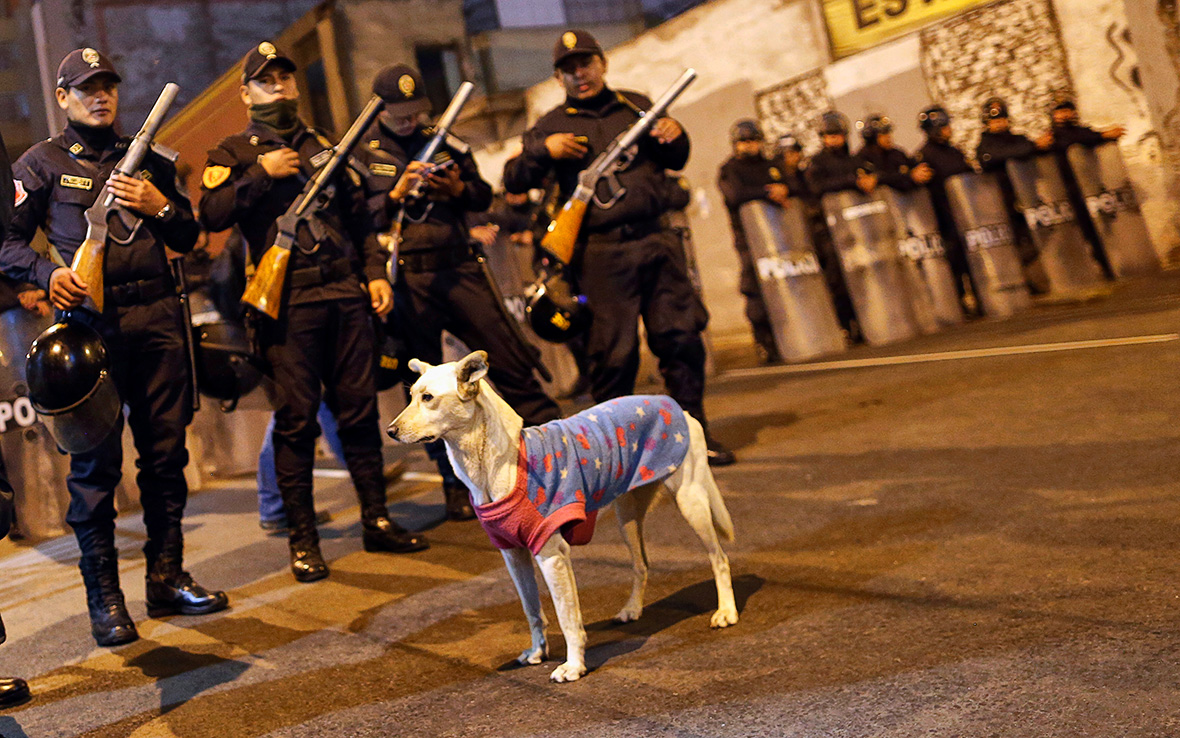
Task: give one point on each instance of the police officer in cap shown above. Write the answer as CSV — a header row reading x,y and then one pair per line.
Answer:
x,y
322,345
892,166
439,285
141,324
628,265
747,176
945,161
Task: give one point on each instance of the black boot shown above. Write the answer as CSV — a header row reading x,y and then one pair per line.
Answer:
x,y
13,692
718,453
169,590
109,621
307,563
384,535
458,501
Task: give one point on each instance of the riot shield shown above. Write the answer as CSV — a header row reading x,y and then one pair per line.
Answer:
x,y
1114,209
866,242
977,204
932,283
1043,200
800,308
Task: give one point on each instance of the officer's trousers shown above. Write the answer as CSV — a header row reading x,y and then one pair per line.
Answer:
x,y
151,370
325,351
647,278
459,300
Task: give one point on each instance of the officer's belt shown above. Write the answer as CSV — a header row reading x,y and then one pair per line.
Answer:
x,y
432,260
325,273
626,232
138,293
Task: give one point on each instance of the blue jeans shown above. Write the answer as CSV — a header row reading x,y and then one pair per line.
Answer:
x,y
270,502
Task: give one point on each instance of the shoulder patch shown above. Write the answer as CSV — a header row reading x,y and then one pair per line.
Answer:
x,y
21,193
214,176
76,183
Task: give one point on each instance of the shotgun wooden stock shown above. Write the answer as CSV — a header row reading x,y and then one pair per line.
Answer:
x,y
88,264
561,238
265,290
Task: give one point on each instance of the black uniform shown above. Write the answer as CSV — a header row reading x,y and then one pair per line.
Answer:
x,y
995,149
833,170
324,341
744,179
628,265
946,161
891,165
439,285
141,324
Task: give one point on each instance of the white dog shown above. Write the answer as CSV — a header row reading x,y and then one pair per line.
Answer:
x,y
646,442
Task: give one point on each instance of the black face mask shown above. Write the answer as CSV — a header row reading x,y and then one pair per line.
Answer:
x,y
281,115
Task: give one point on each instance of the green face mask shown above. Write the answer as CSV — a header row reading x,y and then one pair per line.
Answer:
x,y
281,115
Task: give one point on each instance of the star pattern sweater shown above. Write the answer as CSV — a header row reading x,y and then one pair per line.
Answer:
x,y
569,469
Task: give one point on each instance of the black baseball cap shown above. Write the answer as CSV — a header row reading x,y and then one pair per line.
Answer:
x,y
400,86
261,56
82,64
573,43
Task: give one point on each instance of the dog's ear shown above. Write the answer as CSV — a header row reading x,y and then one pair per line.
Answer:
x,y
469,370
418,366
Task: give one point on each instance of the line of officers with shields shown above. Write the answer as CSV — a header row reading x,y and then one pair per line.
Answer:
x,y
879,246
340,237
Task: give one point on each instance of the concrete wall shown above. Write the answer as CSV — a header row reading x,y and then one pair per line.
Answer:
x,y
373,34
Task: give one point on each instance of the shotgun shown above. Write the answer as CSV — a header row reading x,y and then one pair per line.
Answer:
x,y
442,129
89,256
562,235
264,292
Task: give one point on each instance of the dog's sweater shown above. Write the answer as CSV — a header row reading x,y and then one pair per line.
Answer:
x,y
569,469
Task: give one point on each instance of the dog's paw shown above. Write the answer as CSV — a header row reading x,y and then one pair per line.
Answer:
x,y
723,618
568,672
628,614
533,655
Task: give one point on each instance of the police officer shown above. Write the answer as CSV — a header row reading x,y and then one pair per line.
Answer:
x,y
834,168
747,176
997,145
322,346
141,324
627,264
892,166
945,161
439,284
788,153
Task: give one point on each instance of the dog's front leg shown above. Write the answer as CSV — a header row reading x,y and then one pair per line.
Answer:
x,y
520,567
554,559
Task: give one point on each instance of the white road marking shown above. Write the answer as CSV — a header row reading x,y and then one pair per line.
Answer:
x,y
1034,348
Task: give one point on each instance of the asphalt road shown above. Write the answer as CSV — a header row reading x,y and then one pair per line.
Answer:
x,y
955,541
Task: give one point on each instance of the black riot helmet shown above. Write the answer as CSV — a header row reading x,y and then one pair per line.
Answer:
x,y
833,123
994,109
746,129
555,313
226,368
933,119
874,126
71,387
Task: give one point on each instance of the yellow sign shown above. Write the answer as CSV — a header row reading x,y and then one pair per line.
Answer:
x,y
856,25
